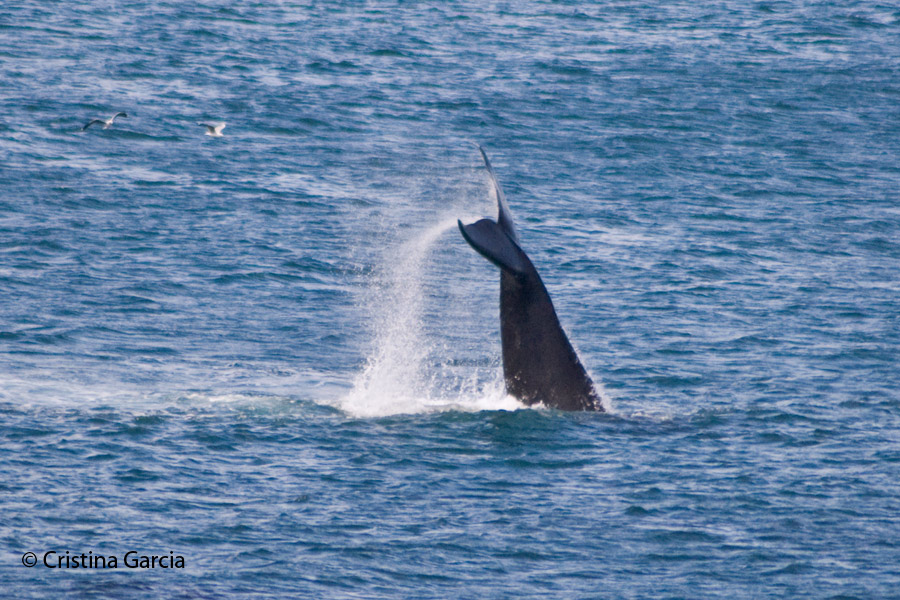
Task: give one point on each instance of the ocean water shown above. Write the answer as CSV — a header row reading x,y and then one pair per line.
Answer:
x,y
272,354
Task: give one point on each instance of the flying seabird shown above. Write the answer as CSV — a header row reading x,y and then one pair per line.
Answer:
x,y
106,124
213,129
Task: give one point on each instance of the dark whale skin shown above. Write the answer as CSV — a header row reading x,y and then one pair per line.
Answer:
x,y
539,363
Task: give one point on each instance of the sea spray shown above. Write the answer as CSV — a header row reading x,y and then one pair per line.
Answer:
x,y
397,377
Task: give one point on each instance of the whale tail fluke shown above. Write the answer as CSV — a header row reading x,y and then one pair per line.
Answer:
x,y
497,240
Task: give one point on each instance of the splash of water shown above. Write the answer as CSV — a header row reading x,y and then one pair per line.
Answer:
x,y
395,379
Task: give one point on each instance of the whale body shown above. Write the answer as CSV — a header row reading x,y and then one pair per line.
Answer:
x,y
539,363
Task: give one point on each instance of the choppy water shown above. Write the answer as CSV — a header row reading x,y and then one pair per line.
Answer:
x,y
273,354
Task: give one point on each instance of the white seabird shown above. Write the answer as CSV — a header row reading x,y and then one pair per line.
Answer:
x,y
107,123
213,129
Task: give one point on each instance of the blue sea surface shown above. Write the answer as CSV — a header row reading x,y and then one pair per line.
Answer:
x,y
272,353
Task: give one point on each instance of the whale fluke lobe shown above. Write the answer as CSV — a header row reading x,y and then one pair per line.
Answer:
x,y
504,218
539,363
490,240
